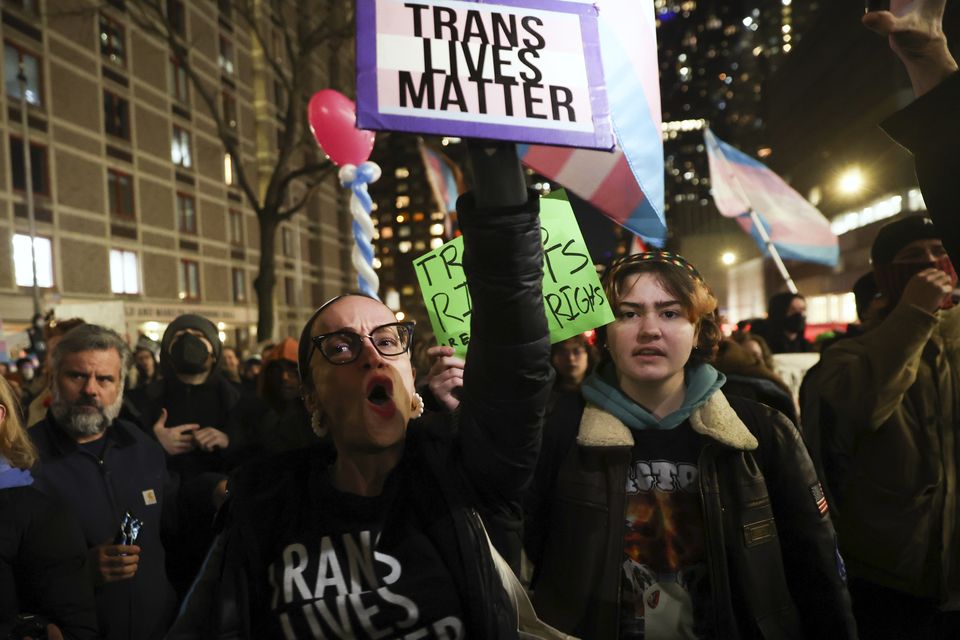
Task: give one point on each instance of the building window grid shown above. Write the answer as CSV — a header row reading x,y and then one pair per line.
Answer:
x,y
186,213
116,115
112,40
189,280
13,56
38,167
120,194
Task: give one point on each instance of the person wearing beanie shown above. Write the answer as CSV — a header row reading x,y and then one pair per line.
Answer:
x,y
146,353
192,412
890,448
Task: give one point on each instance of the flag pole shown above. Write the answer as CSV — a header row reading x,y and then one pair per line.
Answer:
x,y
777,260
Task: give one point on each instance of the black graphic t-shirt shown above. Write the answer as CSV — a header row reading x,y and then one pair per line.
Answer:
x,y
337,574
664,580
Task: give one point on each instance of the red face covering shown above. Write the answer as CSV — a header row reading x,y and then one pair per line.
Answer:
x,y
892,278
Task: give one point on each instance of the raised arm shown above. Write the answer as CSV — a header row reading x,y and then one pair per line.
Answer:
x,y
508,376
929,127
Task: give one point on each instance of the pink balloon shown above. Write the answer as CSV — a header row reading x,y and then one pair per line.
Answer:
x,y
333,121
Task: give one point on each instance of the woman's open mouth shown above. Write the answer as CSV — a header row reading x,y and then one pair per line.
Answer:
x,y
380,396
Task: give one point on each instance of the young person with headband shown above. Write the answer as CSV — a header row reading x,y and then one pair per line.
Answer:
x,y
671,510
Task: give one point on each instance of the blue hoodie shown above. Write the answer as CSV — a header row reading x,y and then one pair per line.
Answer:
x,y
602,389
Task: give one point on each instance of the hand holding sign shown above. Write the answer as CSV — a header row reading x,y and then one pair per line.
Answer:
x,y
573,298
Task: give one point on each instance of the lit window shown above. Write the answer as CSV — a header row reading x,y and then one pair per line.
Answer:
x,y
180,148
436,229
407,290
438,215
401,219
404,246
124,273
13,57
419,245
418,216
403,232
386,233
436,242
225,59
111,40
189,280
401,173
229,170
402,202
23,261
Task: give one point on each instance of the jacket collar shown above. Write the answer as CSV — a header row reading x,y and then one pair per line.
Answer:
x,y
716,419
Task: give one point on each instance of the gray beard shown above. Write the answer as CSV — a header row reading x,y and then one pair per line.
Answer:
x,y
79,423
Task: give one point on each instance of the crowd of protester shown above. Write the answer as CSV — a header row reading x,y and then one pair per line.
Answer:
x,y
655,478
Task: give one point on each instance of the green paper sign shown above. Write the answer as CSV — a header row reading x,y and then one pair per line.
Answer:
x,y
572,295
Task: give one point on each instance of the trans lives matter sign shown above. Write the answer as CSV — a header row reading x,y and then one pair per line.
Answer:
x,y
572,295
517,70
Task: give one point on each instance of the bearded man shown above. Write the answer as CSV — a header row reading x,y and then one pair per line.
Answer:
x,y
101,468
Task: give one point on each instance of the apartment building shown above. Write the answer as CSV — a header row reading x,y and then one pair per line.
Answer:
x,y
139,216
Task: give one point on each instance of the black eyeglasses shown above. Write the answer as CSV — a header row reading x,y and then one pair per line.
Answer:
x,y
343,347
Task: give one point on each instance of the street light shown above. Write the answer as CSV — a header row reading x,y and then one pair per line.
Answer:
x,y
28,185
851,181
729,258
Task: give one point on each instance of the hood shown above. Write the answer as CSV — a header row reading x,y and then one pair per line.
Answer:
x,y
189,321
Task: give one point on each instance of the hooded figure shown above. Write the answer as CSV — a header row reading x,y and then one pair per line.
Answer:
x,y
192,413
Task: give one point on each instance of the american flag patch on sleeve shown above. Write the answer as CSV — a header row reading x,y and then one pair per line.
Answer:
x,y
816,490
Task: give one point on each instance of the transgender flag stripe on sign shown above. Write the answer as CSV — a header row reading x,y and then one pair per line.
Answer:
x,y
626,185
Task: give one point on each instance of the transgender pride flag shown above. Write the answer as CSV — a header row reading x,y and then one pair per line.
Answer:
x,y
626,185
741,184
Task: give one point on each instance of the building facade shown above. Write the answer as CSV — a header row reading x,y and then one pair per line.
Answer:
x,y
139,216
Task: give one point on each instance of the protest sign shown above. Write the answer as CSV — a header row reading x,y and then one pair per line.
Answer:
x,y
573,298
517,70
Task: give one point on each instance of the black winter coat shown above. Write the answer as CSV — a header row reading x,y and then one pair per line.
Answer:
x,y
43,565
454,466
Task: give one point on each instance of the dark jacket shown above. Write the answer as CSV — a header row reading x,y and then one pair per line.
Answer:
x,y
98,492
478,459
43,565
930,129
890,449
772,559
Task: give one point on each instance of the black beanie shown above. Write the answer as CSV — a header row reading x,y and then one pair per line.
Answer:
x,y
190,321
898,234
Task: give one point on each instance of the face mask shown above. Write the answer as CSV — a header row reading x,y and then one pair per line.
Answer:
x,y
892,278
795,323
189,354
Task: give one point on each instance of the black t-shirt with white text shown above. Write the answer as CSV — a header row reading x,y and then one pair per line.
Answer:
x,y
337,574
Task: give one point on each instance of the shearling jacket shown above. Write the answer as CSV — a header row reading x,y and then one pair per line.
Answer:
x,y
894,394
774,571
